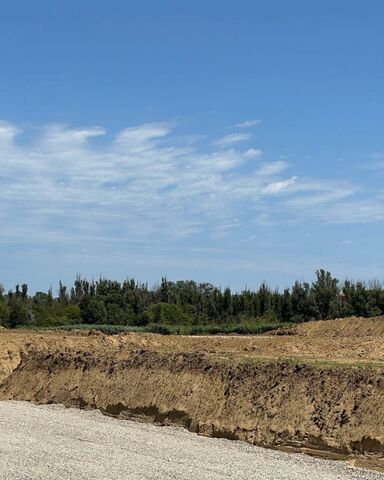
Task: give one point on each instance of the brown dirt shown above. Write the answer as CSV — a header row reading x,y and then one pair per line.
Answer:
x,y
297,391
343,327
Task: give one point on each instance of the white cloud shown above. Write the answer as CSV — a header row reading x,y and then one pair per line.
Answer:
x,y
278,187
7,132
347,242
248,124
60,136
268,169
253,153
145,183
232,139
142,133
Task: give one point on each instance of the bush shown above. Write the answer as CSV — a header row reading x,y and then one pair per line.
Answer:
x,y
92,310
18,315
141,320
4,314
168,314
56,320
115,314
161,329
73,313
297,319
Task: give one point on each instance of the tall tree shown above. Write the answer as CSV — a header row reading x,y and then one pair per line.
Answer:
x,y
325,293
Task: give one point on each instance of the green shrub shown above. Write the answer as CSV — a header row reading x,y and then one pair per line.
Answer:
x,y
161,329
73,313
168,314
18,315
92,310
4,314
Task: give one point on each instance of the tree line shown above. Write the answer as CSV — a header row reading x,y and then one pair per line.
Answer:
x,y
133,303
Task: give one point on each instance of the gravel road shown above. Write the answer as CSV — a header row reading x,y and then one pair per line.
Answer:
x,y
54,443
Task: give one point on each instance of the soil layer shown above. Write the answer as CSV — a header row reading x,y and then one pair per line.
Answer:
x,y
285,391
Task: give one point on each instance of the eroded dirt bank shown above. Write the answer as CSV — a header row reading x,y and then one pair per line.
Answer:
x,y
225,390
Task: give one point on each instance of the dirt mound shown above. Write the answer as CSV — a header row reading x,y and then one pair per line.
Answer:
x,y
15,343
342,327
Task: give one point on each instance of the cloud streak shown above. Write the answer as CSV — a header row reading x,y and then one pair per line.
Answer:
x,y
231,139
68,185
248,124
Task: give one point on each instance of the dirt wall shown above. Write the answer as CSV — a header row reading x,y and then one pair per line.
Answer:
x,y
277,404
326,398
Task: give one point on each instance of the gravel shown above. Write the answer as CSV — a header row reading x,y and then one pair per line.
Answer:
x,y
53,443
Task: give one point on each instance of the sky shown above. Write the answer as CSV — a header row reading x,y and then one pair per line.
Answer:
x,y
223,141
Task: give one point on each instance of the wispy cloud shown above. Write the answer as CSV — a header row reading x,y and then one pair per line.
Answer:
x,y
231,139
248,124
279,187
253,153
145,184
374,164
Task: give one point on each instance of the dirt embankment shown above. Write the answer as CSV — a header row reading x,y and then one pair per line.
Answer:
x,y
214,386
342,327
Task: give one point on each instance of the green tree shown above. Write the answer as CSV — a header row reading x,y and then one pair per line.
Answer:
x,y
24,291
92,310
18,315
325,293
63,295
227,301
4,314
302,303
286,306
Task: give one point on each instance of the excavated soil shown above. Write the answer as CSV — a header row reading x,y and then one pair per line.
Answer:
x,y
342,327
307,391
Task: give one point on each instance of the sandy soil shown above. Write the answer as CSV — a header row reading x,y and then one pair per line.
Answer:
x,y
342,327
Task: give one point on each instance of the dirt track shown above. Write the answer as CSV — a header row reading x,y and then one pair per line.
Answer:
x,y
297,390
71,444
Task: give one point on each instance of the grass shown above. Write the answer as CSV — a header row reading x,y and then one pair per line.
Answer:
x,y
297,361
104,328
225,329
215,329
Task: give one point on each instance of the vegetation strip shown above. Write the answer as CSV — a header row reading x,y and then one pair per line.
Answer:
x,y
187,307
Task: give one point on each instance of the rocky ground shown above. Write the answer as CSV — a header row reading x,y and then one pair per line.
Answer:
x,y
53,443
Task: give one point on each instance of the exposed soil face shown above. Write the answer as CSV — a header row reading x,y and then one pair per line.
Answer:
x,y
225,387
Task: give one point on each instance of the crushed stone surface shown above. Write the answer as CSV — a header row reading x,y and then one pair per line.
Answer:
x,y
51,442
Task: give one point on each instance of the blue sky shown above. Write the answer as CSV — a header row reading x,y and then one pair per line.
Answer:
x,y
230,142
